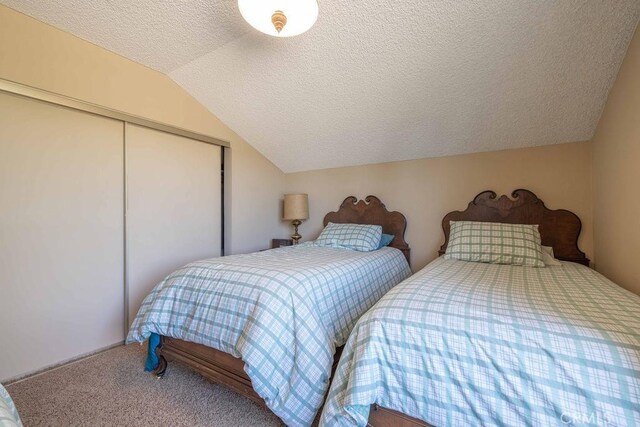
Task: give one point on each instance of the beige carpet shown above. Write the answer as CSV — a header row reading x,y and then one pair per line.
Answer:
x,y
111,389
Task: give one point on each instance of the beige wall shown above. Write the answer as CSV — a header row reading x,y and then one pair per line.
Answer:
x,y
39,55
42,56
616,179
425,190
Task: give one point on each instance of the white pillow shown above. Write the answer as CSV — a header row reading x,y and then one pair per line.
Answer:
x,y
547,256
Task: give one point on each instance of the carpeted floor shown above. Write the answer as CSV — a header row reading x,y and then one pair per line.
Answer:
x,y
111,389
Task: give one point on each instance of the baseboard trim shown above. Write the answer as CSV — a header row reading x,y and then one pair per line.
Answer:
x,y
49,368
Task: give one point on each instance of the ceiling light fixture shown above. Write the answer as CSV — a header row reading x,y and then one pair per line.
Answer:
x,y
280,18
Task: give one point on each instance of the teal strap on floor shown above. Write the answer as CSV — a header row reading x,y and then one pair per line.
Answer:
x,y
152,358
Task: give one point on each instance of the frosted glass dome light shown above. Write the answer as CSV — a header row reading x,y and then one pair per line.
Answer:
x,y
280,18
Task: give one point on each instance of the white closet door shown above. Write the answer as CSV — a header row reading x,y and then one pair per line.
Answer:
x,y
61,234
173,206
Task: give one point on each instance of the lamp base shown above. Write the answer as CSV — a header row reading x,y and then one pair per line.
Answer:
x,y
296,236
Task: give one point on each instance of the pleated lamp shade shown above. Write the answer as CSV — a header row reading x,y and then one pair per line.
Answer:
x,y
296,206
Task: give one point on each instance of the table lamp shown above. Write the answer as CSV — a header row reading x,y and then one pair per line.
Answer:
x,y
296,209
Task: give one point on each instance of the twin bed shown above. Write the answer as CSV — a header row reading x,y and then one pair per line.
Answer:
x,y
467,343
268,324
458,343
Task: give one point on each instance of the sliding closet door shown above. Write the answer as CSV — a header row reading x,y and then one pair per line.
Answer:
x,y
173,206
61,234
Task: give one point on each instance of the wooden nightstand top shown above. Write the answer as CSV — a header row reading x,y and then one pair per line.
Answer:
x,y
277,243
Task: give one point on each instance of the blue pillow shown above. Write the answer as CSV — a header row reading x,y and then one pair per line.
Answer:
x,y
358,237
385,240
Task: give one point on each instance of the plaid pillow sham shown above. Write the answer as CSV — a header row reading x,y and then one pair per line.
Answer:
x,y
359,237
495,243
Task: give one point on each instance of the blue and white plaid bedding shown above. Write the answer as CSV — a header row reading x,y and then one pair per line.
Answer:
x,y
282,311
8,413
464,344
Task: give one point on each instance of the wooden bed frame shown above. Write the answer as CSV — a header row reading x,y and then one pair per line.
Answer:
x,y
223,368
559,229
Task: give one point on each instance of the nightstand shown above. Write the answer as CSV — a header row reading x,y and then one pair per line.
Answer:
x,y
278,243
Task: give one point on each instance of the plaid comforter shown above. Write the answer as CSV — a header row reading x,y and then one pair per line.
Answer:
x,y
8,413
282,311
463,344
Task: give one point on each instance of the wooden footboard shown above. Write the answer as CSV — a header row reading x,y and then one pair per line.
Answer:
x,y
222,368
215,365
382,417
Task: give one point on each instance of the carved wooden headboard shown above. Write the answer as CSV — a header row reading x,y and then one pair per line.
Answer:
x,y
372,211
559,229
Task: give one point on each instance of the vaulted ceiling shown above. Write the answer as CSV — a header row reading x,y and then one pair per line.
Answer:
x,y
376,80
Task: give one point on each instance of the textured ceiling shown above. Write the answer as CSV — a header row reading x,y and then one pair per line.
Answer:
x,y
161,34
377,80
